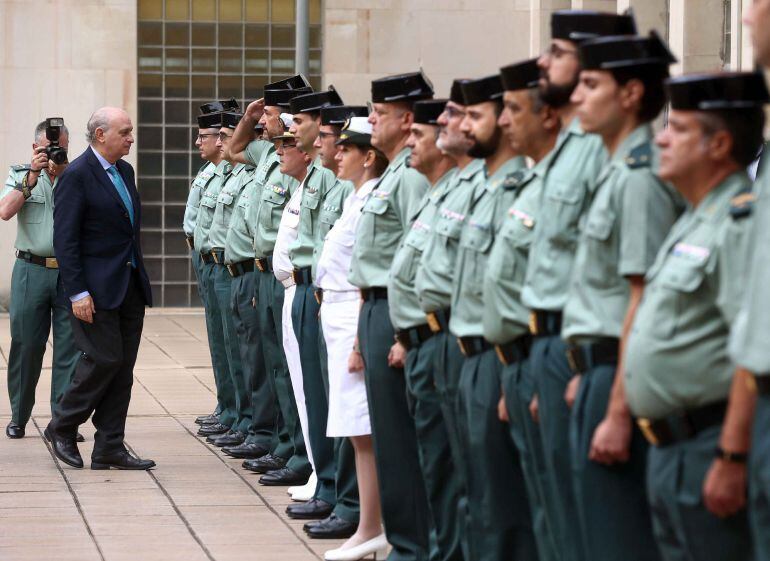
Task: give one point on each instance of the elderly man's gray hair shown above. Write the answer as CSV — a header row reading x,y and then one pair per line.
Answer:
x,y
40,132
99,120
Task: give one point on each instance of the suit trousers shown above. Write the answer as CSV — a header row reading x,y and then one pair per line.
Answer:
x,y
104,374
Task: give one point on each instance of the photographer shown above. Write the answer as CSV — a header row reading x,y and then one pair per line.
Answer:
x,y
28,195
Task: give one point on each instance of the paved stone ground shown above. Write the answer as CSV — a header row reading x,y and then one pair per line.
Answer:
x,y
195,506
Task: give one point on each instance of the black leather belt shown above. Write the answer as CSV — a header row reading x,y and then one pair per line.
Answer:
x,y
206,257
763,384
414,336
582,358
438,320
302,276
319,295
682,426
219,255
544,323
47,262
190,241
240,268
374,293
514,351
264,264
471,346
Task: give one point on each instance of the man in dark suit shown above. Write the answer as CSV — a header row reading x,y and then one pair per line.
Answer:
x,y
97,216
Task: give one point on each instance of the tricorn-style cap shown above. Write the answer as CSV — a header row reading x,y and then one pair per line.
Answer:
x,y
358,131
402,87
230,119
426,112
221,105
338,114
210,121
293,83
456,91
581,25
281,98
624,51
520,75
285,135
483,89
315,101
719,91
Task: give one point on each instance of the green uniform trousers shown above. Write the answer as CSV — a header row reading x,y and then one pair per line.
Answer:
x,y
438,472
551,372
405,510
245,320
197,267
216,336
500,524
518,387
348,506
759,479
34,309
611,500
304,317
287,440
684,529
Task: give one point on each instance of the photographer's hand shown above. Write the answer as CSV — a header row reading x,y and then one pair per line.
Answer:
x,y
38,164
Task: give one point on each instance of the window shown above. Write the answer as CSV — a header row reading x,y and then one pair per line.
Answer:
x,y
190,52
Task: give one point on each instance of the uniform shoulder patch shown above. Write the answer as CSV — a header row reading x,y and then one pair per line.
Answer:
x,y
742,204
513,180
21,167
202,167
640,157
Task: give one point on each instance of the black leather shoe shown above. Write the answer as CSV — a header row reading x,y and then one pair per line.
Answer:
x,y
232,438
217,428
283,477
66,449
332,528
207,419
266,463
80,438
246,450
14,431
314,509
120,460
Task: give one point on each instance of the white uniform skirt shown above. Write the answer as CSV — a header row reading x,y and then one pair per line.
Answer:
x,y
348,405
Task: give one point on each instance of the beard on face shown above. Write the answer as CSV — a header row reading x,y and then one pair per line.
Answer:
x,y
554,95
485,148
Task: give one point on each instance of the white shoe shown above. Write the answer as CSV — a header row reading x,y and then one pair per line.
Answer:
x,y
377,546
304,492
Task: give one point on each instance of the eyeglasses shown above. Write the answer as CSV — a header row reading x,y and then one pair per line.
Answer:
x,y
556,51
202,136
324,134
224,136
285,146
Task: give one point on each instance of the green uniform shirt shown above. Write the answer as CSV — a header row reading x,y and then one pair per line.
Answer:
x,y
258,153
404,308
331,210
435,274
384,221
676,355
272,194
208,206
34,221
569,186
504,316
629,218
488,205
205,174
228,195
239,241
316,186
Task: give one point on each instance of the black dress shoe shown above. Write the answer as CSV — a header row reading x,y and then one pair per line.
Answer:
x,y
14,431
217,428
332,528
266,463
232,438
207,419
246,450
283,477
66,449
314,509
80,438
120,460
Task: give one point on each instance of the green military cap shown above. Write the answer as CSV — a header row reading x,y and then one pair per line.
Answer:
x,y
581,25
219,106
456,91
339,114
230,119
624,51
295,82
483,89
357,131
426,112
402,87
718,91
520,75
315,101
210,121
281,98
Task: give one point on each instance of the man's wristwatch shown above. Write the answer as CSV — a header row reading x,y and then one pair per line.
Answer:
x,y
732,457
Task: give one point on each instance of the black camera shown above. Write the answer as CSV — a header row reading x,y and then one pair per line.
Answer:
x,y
55,153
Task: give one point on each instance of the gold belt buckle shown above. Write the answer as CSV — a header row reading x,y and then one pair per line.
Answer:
x,y
571,360
645,425
533,323
318,296
214,256
433,322
751,383
258,263
231,270
295,276
462,346
51,263
190,244
501,355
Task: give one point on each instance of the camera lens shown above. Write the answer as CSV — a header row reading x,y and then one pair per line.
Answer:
x,y
58,156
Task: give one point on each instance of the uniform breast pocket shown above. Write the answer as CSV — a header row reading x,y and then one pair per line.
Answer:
x,y
225,198
681,280
479,240
272,208
33,210
516,237
327,218
564,201
597,232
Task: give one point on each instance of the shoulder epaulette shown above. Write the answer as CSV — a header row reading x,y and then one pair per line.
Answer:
x,y
21,167
640,157
513,180
202,168
742,204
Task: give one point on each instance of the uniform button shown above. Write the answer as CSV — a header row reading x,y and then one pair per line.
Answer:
x,y
128,263
125,214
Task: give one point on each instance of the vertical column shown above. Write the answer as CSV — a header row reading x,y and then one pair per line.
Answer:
x,y
741,50
302,42
540,22
598,5
696,33
649,14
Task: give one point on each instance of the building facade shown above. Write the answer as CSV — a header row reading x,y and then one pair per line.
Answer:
x,y
160,59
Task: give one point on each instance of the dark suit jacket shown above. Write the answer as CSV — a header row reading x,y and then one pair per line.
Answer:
x,y
93,236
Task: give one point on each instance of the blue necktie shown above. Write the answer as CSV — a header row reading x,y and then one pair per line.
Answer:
x,y
122,190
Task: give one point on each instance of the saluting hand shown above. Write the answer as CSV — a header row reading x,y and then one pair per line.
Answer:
x,y
84,309
255,109
724,488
